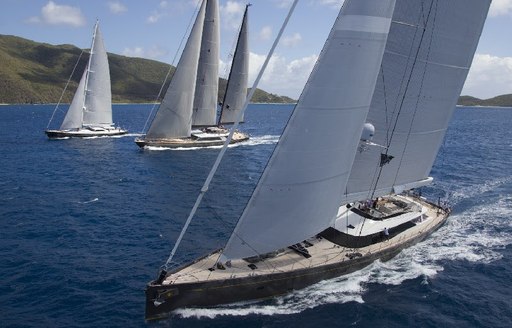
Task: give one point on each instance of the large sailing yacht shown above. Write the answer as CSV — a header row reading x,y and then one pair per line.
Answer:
x,y
189,119
90,112
336,194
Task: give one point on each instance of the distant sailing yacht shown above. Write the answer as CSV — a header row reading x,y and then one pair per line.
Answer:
x,y
335,194
188,119
90,112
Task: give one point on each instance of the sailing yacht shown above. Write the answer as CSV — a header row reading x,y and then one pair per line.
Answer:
x,y
337,192
189,119
90,112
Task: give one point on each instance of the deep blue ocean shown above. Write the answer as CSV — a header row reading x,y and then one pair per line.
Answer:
x,y
86,223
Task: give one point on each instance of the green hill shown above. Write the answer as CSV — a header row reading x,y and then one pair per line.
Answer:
x,y
499,101
33,72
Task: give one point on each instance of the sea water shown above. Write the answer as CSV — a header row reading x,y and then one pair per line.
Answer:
x,y
86,223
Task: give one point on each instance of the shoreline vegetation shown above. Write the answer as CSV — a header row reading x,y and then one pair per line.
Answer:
x,y
36,73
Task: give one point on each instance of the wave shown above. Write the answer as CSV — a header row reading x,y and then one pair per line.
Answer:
x,y
475,235
89,201
473,190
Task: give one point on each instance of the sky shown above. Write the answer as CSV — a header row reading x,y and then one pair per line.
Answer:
x,y
154,29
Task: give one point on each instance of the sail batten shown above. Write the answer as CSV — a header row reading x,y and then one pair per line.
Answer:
x,y
423,72
313,183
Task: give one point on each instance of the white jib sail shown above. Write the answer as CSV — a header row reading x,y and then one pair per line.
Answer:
x,y
429,52
73,118
98,96
299,191
174,116
207,83
236,89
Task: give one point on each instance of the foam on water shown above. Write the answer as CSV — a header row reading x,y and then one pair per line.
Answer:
x,y
89,201
476,189
467,236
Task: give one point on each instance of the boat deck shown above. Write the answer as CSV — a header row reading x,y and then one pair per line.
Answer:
x,y
321,251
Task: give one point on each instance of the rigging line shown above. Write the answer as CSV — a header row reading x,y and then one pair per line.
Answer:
x,y
170,68
424,30
204,189
64,91
421,84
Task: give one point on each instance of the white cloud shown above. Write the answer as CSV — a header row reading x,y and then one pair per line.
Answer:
x,y
54,14
292,40
330,3
265,33
500,7
282,77
489,76
231,14
283,3
155,52
155,17
116,7
159,13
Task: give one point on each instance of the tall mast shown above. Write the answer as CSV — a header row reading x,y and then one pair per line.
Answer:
x,y
87,70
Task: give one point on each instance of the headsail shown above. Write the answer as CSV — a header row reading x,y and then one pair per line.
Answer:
x,y
430,48
73,118
236,89
98,96
207,83
174,116
298,193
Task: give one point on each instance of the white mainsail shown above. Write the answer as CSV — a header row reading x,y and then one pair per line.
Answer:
x,y
430,48
174,117
299,191
98,96
236,89
207,83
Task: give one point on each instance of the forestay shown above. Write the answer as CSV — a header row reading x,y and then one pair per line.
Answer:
x,y
98,96
428,54
236,89
207,83
174,116
299,191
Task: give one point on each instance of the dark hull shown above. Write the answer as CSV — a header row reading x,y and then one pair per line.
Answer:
x,y
211,293
57,134
186,143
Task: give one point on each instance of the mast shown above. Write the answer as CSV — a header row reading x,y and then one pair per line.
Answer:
x,y
298,193
236,88
87,71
